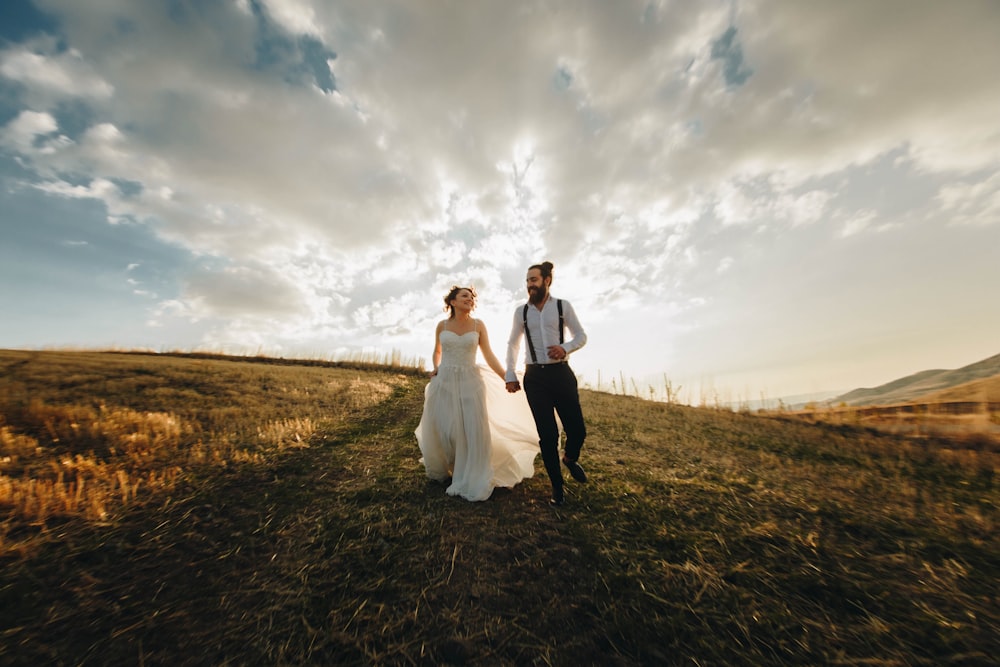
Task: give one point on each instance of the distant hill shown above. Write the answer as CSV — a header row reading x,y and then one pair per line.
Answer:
x,y
987,389
930,383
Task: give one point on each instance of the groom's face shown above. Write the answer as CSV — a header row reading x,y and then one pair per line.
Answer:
x,y
538,287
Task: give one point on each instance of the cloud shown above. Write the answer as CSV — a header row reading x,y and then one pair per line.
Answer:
x,y
295,16
234,291
857,78
632,83
975,202
26,134
858,223
331,167
52,75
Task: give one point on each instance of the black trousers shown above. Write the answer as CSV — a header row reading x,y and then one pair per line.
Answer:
x,y
552,389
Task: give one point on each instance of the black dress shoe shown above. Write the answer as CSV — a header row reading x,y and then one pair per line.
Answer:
x,y
576,470
557,502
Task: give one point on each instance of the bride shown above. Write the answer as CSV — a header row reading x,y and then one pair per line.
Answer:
x,y
471,429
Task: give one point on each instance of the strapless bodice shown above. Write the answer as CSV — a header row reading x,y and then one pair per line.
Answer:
x,y
459,350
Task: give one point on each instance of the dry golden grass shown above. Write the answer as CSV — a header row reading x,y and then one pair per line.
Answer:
x,y
986,389
964,425
704,537
85,458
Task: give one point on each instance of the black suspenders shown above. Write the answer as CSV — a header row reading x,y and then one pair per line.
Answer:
x,y
527,335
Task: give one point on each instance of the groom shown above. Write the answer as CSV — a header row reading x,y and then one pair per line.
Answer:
x,y
549,383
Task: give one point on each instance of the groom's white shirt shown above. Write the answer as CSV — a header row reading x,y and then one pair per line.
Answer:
x,y
543,326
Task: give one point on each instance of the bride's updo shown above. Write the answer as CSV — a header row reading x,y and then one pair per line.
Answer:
x,y
455,289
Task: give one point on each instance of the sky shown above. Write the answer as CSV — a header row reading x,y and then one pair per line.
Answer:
x,y
742,199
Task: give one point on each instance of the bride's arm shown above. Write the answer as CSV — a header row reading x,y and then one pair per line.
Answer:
x,y
436,356
491,359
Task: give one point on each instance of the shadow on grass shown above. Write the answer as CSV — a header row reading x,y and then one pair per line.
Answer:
x,y
702,538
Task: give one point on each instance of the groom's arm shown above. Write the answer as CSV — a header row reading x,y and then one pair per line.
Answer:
x,y
513,346
579,338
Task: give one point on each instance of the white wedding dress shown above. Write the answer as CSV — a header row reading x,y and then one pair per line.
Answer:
x,y
471,429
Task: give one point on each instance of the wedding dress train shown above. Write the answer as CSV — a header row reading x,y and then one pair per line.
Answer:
x,y
471,429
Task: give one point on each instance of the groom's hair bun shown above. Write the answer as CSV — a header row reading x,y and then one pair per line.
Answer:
x,y
544,267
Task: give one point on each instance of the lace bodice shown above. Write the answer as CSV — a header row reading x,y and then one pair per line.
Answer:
x,y
459,350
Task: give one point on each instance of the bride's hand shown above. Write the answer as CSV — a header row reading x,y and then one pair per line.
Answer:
x,y
433,373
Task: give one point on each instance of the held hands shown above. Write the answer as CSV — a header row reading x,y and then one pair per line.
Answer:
x,y
513,387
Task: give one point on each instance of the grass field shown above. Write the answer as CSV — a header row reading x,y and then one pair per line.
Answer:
x,y
191,510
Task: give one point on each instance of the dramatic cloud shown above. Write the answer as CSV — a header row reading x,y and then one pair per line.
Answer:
x,y
329,169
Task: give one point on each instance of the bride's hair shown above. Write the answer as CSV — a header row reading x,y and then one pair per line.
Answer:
x,y
451,297
544,267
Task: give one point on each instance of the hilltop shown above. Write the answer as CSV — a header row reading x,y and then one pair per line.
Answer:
x,y
920,386
190,511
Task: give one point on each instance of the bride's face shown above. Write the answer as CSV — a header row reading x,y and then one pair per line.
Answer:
x,y
464,301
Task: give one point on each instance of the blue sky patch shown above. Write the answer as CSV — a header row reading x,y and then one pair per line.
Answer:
x,y
728,50
21,20
298,60
562,79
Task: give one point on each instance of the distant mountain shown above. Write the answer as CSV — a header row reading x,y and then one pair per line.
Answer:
x,y
922,384
789,402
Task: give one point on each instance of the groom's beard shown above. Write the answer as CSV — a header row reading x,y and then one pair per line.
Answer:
x,y
536,295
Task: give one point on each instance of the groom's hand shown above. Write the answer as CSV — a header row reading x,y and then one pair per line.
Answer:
x,y
556,352
513,387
